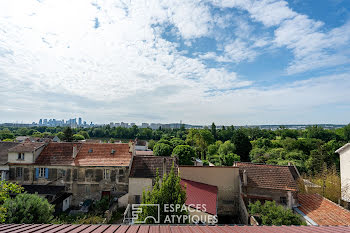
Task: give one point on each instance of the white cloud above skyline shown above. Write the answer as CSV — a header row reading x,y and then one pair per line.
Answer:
x,y
56,61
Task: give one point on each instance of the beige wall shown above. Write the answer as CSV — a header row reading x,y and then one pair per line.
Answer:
x,y
345,173
225,178
136,187
13,157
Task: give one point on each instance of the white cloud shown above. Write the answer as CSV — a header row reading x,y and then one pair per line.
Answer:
x,y
54,62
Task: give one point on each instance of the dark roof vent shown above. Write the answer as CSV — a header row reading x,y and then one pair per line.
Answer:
x,y
90,150
112,151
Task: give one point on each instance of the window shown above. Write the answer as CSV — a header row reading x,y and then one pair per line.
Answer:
x,y
19,172
87,189
106,174
137,199
63,173
283,200
42,172
20,156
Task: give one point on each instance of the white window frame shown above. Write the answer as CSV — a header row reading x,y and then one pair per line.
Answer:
x,y
42,172
106,174
20,156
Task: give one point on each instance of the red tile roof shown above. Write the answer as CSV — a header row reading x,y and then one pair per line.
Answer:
x,y
143,152
268,176
27,147
103,154
323,211
201,194
65,228
57,153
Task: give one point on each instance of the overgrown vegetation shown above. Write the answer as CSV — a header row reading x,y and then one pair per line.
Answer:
x,y
271,214
166,192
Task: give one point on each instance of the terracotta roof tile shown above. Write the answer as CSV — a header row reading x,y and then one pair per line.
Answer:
x,y
103,154
201,194
57,153
65,228
26,147
323,211
268,176
146,166
142,152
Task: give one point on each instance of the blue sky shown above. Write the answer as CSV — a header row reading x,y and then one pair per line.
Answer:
x,y
229,61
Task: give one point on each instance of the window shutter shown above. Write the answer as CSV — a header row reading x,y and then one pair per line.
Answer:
x,y
46,173
36,173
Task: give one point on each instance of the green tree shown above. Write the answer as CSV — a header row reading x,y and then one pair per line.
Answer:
x,y
347,133
185,153
168,192
226,148
176,142
60,135
6,189
213,131
28,208
151,144
77,137
85,134
162,149
243,145
68,134
272,214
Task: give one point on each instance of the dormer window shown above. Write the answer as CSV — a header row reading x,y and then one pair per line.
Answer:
x,y
90,150
20,156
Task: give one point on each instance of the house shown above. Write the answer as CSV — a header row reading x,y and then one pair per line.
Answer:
x,y
344,154
201,201
21,159
4,168
143,172
269,183
88,170
319,211
56,195
226,179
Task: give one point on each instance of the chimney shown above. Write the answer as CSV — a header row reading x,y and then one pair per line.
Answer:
x,y
75,151
164,166
290,199
131,146
245,178
289,164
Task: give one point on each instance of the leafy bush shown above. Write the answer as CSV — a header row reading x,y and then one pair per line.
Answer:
x,y
28,208
272,214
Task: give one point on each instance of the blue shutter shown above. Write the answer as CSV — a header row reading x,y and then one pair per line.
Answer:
x,y
36,173
46,173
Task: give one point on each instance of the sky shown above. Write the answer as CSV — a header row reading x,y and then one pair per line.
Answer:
x,y
239,62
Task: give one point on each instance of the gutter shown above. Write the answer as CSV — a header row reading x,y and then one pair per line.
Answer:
x,y
309,221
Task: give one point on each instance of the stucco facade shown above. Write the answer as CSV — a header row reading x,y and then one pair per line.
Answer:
x,y
225,178
136,188
344,154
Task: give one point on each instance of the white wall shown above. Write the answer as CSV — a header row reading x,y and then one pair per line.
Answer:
x,y
66,203
13,157
345,173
